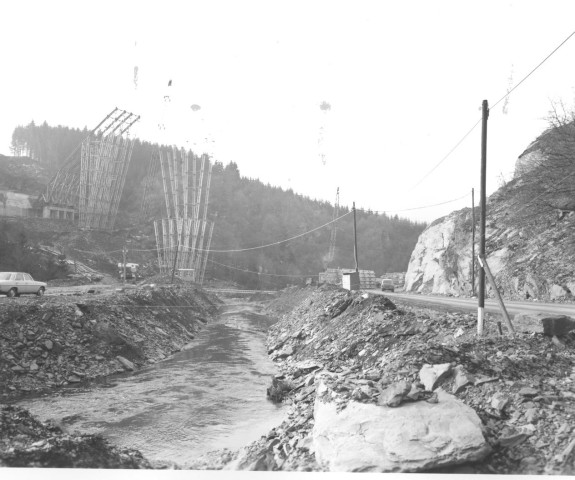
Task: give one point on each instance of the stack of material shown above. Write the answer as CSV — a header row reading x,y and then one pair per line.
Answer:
x,y
334,277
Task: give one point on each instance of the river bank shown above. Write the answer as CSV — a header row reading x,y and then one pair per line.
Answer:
x,y
50,342
54,341
341,354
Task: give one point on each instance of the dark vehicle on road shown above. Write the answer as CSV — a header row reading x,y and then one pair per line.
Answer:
x,y
14,284
387,284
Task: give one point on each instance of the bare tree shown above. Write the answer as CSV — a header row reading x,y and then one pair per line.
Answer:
x,y
545,183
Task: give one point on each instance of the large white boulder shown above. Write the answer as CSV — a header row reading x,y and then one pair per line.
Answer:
x,y
413,437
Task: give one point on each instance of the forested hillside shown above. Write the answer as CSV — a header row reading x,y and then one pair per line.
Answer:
x,y
250,215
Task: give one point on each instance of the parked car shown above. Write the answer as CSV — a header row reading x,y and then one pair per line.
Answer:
x,y
14,284
387,284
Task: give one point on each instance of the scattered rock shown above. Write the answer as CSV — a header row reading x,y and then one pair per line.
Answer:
x,y
558,342
462,378
512,439
126,363
278,389
432,375
550,325
531,415
287,351
479,380
528,392
393,395
499,401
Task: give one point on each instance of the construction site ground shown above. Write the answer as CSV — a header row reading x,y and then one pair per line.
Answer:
x,y
357,344
77,338
360,344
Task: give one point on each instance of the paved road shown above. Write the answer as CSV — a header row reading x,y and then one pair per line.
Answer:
x,y
491,306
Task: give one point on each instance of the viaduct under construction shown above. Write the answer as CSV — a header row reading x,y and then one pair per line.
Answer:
x,y
88,188
184,237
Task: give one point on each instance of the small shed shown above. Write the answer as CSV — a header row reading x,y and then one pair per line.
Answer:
x,y
350,280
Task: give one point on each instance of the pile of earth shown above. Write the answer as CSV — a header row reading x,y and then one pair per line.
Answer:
x,y
26,442
53,341
353,350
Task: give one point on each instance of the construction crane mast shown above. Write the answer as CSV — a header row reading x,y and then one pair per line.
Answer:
x,y
331,252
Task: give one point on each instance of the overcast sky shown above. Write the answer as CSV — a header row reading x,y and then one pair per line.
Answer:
x,y
404,79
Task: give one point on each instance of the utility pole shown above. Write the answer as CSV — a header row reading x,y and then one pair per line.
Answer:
x,y
473,242
355,240
124,252
481,296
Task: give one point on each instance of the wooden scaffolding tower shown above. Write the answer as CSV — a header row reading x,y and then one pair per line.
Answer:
x,y
151,174
91,179
181,240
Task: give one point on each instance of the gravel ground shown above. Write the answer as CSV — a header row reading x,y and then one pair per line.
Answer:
x,y
522,388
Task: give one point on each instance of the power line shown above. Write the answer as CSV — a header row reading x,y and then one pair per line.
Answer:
x,y
425,206
225,251
261,273
461,140
275,243
532,71
493,106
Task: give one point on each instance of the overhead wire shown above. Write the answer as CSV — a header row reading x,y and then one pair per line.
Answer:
x,y
462,139
269,244
261,273
425,206
533,71
279,242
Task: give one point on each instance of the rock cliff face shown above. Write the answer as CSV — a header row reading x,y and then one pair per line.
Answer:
x,y
529,257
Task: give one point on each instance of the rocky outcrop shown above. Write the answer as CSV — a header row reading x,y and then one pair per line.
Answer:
x,y
441,259
530,250
527,263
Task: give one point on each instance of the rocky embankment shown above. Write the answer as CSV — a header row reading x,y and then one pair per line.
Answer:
x,y
531,262
373,387
54,341
26,442
530,226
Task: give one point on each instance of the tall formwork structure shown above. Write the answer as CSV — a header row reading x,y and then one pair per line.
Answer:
x,y
151,174
92,178
181,240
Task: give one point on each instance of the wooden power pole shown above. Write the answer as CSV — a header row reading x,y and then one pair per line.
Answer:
x,y
473,241
483,196
355,240
124,252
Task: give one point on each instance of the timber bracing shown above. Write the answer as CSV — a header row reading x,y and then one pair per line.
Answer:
x,y
92,178
186,196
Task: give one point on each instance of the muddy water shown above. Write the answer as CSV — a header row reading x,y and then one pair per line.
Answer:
x,y
209,397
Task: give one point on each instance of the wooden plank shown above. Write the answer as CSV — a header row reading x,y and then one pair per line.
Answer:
x,y
485,266
164,168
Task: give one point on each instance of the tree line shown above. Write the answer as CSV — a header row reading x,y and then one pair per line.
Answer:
x,y
250,214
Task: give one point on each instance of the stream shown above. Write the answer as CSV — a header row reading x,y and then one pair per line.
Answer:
x,y
208,397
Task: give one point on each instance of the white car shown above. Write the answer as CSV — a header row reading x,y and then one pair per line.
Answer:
x,y
14,284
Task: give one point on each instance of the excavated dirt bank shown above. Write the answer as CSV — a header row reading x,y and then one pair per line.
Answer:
x,y
522,388
50,342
